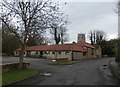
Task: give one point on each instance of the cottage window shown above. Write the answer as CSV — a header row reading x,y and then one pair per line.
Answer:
x,y
66,52
59,52
45,52
16,52
84,53
36,52
53,52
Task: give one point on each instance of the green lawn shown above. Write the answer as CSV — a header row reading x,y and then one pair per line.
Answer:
x,y
16,75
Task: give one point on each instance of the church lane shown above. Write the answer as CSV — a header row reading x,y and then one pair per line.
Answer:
x,y
85,72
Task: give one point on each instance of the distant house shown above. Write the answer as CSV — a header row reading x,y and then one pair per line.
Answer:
x,y
79,50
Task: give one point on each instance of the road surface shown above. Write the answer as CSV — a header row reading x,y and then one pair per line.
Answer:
x,y
85,72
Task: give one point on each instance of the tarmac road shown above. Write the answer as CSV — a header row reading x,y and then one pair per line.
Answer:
x,y
85,72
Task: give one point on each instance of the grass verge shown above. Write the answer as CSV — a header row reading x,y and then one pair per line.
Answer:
x,y
16,75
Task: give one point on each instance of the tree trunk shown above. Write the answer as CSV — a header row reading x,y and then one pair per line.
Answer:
x,y
21,57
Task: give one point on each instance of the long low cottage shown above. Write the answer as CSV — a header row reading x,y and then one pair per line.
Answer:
x,y
72,51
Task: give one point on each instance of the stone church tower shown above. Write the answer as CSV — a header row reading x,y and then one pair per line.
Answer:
x,y
81,37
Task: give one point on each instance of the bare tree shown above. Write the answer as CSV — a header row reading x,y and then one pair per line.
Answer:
x,y
91,37
63,35
63,30
58,26
54,32
97,36
29,18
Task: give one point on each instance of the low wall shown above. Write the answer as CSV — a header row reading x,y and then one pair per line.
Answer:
x,y
10,66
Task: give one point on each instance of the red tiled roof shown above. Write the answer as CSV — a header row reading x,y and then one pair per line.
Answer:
x,y
78,48
85,44
63,47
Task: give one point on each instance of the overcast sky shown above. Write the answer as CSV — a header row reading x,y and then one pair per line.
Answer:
x,y
86,16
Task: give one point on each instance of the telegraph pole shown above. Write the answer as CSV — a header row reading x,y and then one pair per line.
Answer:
x,y
119,20
118,43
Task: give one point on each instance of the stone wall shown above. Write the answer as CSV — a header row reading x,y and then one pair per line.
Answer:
x,y
62,54
12,66
91,53
78,55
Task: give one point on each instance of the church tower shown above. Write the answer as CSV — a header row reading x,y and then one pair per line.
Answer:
x,y
81,37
